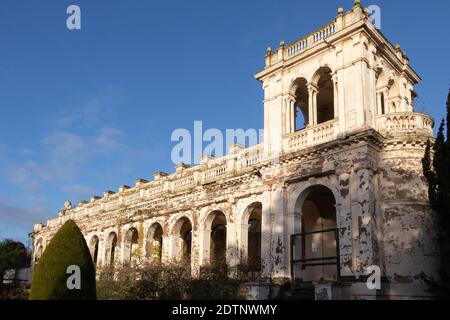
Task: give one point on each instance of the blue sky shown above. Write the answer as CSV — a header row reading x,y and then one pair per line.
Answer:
x,y
85,111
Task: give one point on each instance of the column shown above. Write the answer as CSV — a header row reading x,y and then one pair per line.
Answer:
x,y
363,218
334,78
312,104
204,247
379,110
287,115
266,230
279,241
292,115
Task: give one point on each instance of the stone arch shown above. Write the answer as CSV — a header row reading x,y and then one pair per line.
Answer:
x,y
214,238
322,82
154,243
182,241
250,235
300,94
111,249
39,247
315,208
130,246
382,91
94,247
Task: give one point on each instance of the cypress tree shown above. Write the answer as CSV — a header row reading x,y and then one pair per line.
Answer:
x,y
67,248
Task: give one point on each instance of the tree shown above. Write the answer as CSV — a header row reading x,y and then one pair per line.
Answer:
x,y
13,255
436,169
50,279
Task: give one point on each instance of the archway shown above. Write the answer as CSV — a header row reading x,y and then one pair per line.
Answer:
x,y
251,236
315,250
325,95
218,241
39,250
301,105
183,241
130,246
93,248
215,241
154,243
110,249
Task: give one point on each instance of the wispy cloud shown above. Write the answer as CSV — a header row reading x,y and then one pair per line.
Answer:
x,y
17,221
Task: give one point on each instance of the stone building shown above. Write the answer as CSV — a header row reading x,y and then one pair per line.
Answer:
x,y
335,188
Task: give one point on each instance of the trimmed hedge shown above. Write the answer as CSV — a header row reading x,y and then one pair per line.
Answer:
x,y
68,247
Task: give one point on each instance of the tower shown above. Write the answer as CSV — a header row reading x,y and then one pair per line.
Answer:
x,y
336,80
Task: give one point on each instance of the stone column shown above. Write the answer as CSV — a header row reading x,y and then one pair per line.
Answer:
x,y
165,253
266,230
312,104
279,242
334,78
289,114
243,242
379,109
363,218
204,248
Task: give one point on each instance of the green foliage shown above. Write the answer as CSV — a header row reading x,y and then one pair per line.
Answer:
x,y
165,282
436,168
68,247
13,255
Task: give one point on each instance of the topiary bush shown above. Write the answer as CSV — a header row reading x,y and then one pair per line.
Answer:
x,y
68,247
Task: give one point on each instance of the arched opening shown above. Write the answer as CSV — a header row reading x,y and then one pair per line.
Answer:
x,y
251,237
110,249
39,251
317,246
93,247
154,243
130,246
218,247
382,90
183,243
325,95
300,91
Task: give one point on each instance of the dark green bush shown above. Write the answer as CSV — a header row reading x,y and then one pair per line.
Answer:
x,y
67,248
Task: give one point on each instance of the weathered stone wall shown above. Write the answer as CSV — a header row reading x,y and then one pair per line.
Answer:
x,y
383,215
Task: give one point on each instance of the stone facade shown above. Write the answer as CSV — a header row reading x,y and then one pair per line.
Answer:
x,y
345,187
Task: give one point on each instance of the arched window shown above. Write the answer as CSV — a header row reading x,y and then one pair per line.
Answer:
x,y
383,108
317,244
130,245
325,95
300,91
39,251
154,243
214,246
218,244
254,244
110,249
182,242
93,246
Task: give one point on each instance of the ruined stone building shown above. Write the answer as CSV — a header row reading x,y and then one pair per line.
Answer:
x,y
336,186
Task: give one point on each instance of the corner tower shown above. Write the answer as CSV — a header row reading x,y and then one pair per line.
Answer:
x,y
334,81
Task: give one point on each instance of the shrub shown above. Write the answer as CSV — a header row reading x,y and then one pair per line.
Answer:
x,y
68,247
162,282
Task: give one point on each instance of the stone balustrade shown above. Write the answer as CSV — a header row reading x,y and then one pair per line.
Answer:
x,y
240,162
405,121
311,136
